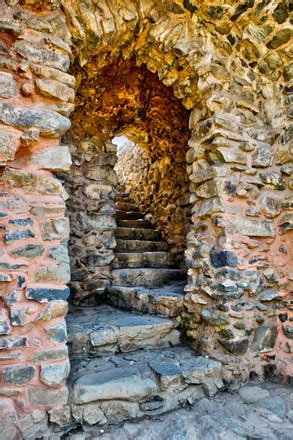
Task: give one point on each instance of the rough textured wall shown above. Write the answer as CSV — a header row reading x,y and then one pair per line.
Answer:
x,y
231,65
35,99
91,210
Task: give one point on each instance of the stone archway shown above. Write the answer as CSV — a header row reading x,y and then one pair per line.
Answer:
x,y
126,98
238,159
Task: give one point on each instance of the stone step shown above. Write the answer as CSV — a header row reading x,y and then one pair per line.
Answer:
x,y
126,206
95,331
143,259
121,192
140,246
138,234
122,199
134,224
146,277
128,215
166,301
140,384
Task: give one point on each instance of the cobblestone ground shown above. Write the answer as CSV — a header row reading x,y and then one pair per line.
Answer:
x,y
252,412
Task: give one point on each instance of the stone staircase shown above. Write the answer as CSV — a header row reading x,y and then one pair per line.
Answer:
x,y
127,357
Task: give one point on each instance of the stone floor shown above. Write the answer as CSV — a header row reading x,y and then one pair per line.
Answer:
x,y
262,411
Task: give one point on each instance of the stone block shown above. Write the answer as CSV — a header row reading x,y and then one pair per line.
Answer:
x,y
55,309
235,347
12,266
54,375
55,89
271,206
50,124
104,336
8,87
18,235
252,394
51,73
97,222
118,383
263,156
5,278
9,392
52,158
168,374
4,327
60,416
34,425
269,295
43,55
44,211
55,229
103,174
11,298
40,397
281,37
286,223
214,318
58,273
57,332
207,189
59,254
64,108
49,355
232,156
35,182
45,294
19,315
89,413
29,251
18,374
20,221
118,411
97,191
9,143
201,370
264,338
201,175
12,342
221,258
12,203
253,228
288,331
207,207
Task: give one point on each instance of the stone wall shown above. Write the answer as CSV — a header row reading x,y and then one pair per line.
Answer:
x,y
91,210
36,97
230,66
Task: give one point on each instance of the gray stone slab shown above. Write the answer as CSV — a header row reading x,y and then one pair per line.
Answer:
x,y
118,383
147,277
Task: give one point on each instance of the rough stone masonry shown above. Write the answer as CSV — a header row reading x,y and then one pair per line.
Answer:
x,y
230,65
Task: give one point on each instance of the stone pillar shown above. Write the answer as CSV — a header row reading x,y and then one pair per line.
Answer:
x,y
238,244
91,209
36,97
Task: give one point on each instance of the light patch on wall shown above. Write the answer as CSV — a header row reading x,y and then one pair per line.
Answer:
x,y
122,142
